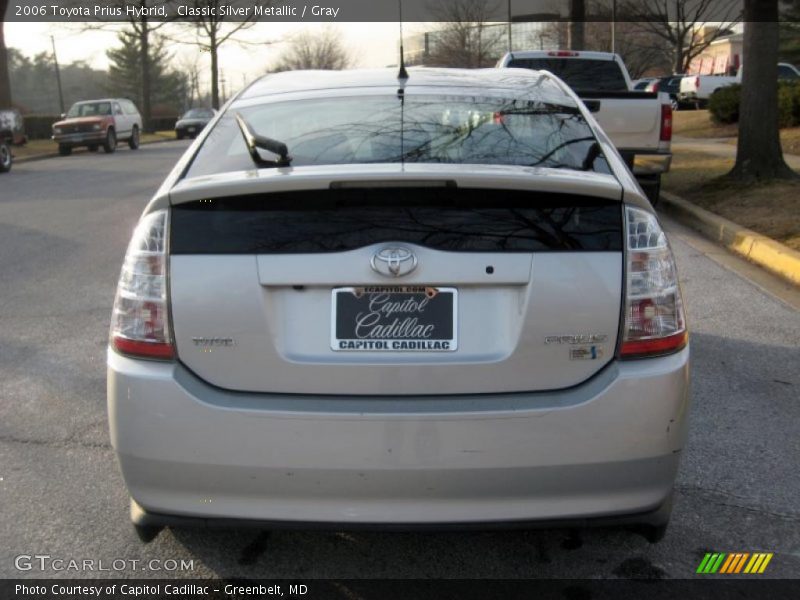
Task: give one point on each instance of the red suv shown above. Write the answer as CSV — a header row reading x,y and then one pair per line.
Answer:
x,y
95,123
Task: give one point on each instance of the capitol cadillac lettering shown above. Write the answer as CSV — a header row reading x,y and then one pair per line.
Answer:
x,y
394,318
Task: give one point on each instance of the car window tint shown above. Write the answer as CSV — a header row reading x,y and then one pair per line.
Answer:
x,y
422,128
198,113
90,109
579,74
452,218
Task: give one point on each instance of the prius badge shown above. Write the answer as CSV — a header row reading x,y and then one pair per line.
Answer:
x,y
393,261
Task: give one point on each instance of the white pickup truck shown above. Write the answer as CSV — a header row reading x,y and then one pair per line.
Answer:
x,y
698,89
639,124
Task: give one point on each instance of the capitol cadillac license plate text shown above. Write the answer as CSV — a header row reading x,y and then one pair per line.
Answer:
x,y
394,319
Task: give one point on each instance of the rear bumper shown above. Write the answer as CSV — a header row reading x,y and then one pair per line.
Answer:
x,y
190,453
655,517
688,97
189,129
645,164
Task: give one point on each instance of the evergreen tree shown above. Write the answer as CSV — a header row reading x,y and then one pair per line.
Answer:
x,y
168,88
5,82
790,32
33,80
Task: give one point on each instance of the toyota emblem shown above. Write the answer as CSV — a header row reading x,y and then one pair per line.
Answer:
x,y
393,261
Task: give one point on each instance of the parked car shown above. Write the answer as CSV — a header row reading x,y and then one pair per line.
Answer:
x,y
6,158
698,89
95,123
193,122
640,85
669,85
639,124
371,300
12,133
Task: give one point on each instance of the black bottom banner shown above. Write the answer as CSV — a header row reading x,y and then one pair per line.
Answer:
x,y
405,589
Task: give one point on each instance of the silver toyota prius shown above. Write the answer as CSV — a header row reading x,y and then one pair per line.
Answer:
x,y
439,299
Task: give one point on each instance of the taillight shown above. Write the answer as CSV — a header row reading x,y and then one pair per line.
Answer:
x,y
697,83
655,87
140,320
666,122
654,319
563,53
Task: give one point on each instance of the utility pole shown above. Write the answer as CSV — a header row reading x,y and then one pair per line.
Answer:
x,y
509,25
58,75
577,25
613,26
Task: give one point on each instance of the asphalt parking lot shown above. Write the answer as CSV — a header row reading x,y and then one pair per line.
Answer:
x,y
64,226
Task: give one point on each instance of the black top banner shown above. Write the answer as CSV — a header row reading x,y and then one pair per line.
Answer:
x,y
88,11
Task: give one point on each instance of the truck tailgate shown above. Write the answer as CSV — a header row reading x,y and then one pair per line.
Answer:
x,y
631,119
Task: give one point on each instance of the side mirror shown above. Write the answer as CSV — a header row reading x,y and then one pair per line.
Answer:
x,y
63,116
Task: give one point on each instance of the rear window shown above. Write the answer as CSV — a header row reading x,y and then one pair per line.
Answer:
x,y
785,72
198,113
579,74
421,128
444,218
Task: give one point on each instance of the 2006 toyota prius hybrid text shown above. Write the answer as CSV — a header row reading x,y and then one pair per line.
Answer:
x,y
360,300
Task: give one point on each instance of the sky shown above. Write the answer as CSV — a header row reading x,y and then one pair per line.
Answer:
x,y
370,44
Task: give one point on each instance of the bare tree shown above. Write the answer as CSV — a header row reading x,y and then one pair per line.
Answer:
x,y
212,30
190,66
640,50
758,154
314,50
143,28
5,81
678,22
466,38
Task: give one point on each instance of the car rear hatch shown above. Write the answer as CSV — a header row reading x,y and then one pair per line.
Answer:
x,y
416,280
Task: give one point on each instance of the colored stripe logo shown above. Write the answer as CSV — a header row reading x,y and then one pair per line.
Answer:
x,y
734,563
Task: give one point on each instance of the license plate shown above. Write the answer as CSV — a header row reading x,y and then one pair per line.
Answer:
x,y
394,319
190,129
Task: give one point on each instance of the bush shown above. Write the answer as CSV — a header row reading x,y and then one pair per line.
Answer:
x,y
40,127
724,104
163,123
788,104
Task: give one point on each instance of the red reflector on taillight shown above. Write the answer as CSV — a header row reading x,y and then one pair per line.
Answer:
x,y
140,320
654,321
666,122
143,349
634,348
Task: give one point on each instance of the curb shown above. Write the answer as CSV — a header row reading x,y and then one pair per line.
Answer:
x,y
763,251
35,157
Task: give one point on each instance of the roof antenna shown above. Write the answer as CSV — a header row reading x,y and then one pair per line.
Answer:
x,y
403,74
